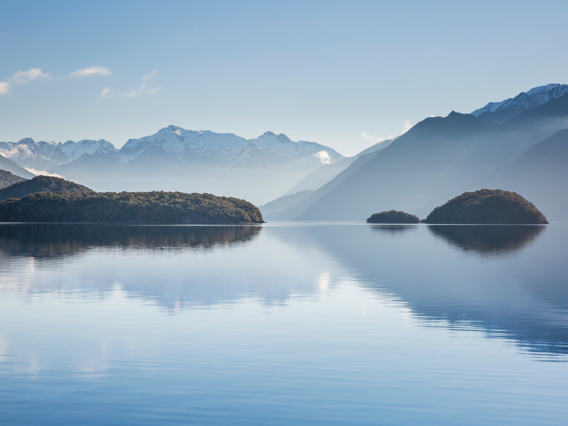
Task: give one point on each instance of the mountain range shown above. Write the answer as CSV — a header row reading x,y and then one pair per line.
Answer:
x,y
518,144
441,157
177,159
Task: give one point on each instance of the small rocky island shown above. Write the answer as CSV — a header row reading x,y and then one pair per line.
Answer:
x,y
393,216
48,199
487,206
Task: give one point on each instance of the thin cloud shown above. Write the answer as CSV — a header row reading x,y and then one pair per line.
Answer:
x,y
105,93
143,88
94,70
406,126
368,137
323,157
42,172
22,77
149,75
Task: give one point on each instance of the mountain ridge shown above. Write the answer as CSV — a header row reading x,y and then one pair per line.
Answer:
x,y
438,157
502,111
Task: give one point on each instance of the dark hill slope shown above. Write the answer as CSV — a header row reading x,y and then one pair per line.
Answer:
x,y
416,172
43,184
436,158
7,179
540,173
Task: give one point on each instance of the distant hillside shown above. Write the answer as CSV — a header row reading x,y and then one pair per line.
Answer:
x,y
129,207
7,179
43,184
288,207
327,172
441,156
283,208
10,166
487,206
416,172
540,173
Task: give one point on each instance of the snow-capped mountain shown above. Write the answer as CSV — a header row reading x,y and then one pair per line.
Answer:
x,y
47,155
499,112
226,148
174,158
441,157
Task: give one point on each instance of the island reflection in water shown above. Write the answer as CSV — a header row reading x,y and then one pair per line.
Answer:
x,y
52,240
252,302
392,229
488,239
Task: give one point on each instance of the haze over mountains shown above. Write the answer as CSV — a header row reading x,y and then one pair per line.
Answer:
x,y
517,144
177,159
42,155
441,157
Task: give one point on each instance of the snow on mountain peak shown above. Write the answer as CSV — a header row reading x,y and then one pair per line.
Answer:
x,y
524,101
40,154
226,147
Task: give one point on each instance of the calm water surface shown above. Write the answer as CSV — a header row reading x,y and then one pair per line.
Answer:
x,y
315,324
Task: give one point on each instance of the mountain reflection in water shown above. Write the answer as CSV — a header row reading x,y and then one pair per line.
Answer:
x,y
522,296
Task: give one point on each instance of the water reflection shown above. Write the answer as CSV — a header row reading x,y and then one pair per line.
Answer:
x,y
54,240
323,324
393,229
175,267
523,296
487,239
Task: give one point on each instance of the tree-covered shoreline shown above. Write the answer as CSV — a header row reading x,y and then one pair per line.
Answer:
x,y
129,207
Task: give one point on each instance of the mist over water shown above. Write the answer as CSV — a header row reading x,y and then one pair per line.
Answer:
x,y
313,323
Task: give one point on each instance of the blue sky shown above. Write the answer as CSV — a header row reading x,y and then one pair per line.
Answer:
x,y
341,73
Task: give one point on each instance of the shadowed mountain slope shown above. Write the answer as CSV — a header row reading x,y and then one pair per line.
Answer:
x,y
10,166
438,158
7,179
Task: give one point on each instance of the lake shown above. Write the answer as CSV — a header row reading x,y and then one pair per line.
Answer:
x,y
283,323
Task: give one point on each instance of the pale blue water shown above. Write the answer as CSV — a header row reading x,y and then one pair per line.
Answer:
x,y
313,324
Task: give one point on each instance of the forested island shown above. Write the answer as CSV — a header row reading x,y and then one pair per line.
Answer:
x,y
487,206
393,216
63,201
